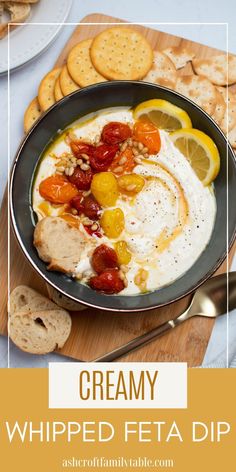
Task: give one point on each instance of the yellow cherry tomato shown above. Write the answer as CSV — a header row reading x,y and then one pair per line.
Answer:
x,y
113,222
131,183
123,254
104,187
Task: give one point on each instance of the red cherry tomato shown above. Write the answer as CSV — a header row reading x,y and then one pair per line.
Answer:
x,y
81,178
92,208
57,189
148,134
87,205
104,257
79,147
115,132
108,282
78,202
103,157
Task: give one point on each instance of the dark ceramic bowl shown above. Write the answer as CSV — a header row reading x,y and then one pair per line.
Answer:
x,y
65,112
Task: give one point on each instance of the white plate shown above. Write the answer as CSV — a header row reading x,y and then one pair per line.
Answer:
x,y
27,41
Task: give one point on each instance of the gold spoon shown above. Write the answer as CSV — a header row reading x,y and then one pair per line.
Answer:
x,y
210,300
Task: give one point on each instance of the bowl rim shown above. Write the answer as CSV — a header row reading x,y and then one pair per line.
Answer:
x,y
101,85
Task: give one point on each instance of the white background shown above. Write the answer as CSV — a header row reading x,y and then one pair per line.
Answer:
x,y
25,80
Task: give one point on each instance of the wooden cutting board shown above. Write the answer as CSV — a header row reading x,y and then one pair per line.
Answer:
x,y
96,332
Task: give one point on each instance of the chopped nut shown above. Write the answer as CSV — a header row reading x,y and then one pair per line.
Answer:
x,y
67,171
94,227
123,160
138,160
125,282
85,157
131,187
124,268
74,211
129,142
79,162
87,222
123,146
135,152
121,275
145,149
135,143
71,171
86,193
118,169
84,167
140,146
61,169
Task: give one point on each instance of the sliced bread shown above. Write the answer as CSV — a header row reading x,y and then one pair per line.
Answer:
x,y
59,244
36,324
40,332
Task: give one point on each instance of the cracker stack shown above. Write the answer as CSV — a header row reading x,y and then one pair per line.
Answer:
x,y
123,53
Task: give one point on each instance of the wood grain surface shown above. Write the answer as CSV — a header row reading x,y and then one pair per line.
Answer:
x,y
96,332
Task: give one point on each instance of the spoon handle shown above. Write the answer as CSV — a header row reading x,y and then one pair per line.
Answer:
x,y
139,341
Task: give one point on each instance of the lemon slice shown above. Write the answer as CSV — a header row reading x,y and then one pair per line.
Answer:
x,y
163,114
200,151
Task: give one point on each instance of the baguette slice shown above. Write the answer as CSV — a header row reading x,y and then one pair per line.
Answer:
x,y
36,324
40,332
24,299
59,244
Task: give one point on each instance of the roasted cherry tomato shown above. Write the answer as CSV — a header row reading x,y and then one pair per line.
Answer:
x,y
57,189
86,205
79,147
148,134
104,257
115,132
81,178
78,202
108,282
126,166
92,208
103,156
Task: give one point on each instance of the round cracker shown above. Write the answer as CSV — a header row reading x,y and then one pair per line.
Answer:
x,y
227,94
232,137
179,55
220,108
46,89
121,53
68,85
229,120
80,66
57,91
32,114
199,89
215,69
162,72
